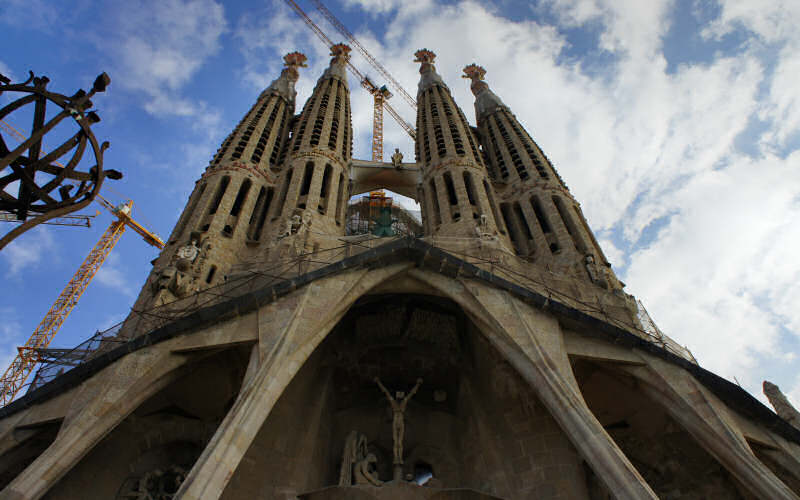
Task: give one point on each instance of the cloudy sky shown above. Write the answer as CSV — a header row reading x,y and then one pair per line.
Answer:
x,y
675,123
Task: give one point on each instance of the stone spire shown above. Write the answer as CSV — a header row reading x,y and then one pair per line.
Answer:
x,y
226,214
782,406
340,55
457,197
486,101
427,70
262,132
283,86
314,178
544,221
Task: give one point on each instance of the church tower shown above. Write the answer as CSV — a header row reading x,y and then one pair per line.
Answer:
x,y
545,222
457,197
272,356
226,215
314,181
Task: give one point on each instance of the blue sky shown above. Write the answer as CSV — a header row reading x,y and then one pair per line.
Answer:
x,y
675,123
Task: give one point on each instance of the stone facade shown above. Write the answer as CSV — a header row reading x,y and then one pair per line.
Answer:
x,y
496,358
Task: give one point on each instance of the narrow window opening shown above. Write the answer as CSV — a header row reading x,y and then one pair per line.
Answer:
x,y
309,172
488,190
522,221
540,215
284,192
188,211
326,185
569,224
437,215
210,275
340,200
223,185
505,209
241,196
451,189
470,189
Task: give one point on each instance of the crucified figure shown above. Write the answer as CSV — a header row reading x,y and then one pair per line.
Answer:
x,y
399,402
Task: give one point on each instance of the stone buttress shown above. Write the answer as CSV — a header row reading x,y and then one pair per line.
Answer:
x,y
544,221
457,198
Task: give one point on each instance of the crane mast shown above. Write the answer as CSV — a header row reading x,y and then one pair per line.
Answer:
x,y
21,367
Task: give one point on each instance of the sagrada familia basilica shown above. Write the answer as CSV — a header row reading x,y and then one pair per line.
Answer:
x,y
272,354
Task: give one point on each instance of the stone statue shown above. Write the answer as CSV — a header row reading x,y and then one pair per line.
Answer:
x,y
365,471
305,223
782,406
595,274
189,252
399,403
355,450
397,158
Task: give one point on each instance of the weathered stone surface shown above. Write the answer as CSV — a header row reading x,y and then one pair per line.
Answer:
x,y
259,335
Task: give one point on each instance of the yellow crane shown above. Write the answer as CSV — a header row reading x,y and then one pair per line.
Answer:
x,y
21,367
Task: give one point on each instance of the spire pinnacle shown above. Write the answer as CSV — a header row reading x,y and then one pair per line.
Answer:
x,y
340,56
340,53
292,61
426,58
284,84
428,71
476,74
486,101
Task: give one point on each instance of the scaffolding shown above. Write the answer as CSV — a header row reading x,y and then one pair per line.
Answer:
x,y
377,211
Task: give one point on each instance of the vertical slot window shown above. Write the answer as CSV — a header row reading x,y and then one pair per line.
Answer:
x,y
437,215
307,175
223,186
470,187
451,189
241,196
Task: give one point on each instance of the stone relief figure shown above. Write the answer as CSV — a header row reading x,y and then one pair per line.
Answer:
x,y
397,158
398,403
291,227
187,254
595,274
365,471
355,450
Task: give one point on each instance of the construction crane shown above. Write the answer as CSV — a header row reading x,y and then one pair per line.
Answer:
x,y
380,93
64,220
364,52
21,367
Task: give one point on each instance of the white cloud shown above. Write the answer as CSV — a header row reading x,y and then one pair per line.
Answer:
x,y
638,146
157,47
28,250
112,275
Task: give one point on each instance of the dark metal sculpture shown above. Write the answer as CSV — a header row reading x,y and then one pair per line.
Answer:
x,y
61,188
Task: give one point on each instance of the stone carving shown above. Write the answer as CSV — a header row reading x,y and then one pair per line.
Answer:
x,y
782,406
398,403
482,229
355,450
397,158
189,252
292,226
597,275
157,484
365,471
180,275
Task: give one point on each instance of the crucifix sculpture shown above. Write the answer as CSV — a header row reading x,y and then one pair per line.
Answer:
x,y
398,402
